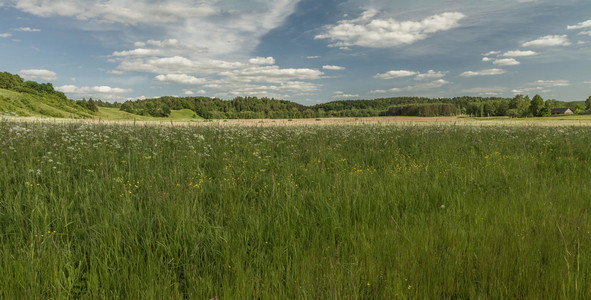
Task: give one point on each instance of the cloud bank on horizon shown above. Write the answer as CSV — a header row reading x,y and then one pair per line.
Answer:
x,y
300,50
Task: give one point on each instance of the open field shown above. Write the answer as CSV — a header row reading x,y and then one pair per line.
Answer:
x,y
368,210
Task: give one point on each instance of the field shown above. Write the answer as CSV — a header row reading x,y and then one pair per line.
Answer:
x,y
342,211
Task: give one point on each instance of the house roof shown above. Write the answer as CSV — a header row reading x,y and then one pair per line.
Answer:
x,y
561,110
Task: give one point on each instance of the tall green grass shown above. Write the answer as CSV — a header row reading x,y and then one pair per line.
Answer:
x,y
354,212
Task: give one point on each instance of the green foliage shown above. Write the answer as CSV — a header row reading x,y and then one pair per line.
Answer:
x,y
424,110
9,81
315,212
546,110
91,105
536,105
588,103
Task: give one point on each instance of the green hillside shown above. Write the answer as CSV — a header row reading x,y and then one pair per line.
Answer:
x,y
114,114
34,105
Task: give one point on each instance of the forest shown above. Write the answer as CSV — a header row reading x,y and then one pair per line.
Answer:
x,y
262,108
269,108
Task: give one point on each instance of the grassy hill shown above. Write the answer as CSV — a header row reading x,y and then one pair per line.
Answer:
x,y
114,114
34,105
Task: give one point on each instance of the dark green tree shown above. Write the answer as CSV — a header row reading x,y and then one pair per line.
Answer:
x,y
588,103
535,106
91,105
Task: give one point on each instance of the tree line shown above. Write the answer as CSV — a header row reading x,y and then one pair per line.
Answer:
x,y
260,108
16,83
270,108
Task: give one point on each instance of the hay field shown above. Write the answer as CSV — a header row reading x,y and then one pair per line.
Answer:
x,y
367,210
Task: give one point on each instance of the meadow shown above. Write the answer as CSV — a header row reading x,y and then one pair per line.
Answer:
x,y
365,211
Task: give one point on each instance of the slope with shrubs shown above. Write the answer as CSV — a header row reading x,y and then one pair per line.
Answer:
x,y
29,98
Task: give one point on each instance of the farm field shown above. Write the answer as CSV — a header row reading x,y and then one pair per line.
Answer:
x,y
344,211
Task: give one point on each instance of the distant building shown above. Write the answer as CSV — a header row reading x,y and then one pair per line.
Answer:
x,y
587,112
562,111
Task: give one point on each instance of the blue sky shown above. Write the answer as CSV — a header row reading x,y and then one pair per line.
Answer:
x,y
308,51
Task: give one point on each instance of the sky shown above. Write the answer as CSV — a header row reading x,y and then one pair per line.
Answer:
x,y
307,51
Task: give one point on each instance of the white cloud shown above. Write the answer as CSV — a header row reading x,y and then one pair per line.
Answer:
x,y
430,75
368,32
167,47
118,11
506,62
585,33
490,53
262,61
193,23
396,74
27,29
413,88
487,72
581,25
97,92
489,91
38,74
548,41
176,65
313,57
551,83
334,68
272,74
486,59
342,95
139,52
519,53
180,79
228,88
5,35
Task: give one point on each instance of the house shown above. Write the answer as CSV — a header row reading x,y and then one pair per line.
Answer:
x,y
587,112
562,111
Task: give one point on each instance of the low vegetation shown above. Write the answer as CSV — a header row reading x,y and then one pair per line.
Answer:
x,y
29,98
319,212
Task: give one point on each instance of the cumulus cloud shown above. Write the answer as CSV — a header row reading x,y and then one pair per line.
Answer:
x,y
167,47
413,88
180,79
486,59
430,75
548,41
97,92
581,25
5,35
519,53
272,74
118,11
489,91
371,32
506,62
27,29
395,74
585,33
262,61
490,53
103,89
334,68
487,72
139,52
187,22
342,95
176,65
38,74
551,83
